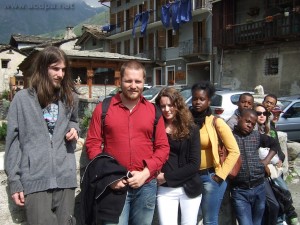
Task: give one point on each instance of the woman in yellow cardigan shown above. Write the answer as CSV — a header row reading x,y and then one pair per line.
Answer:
x,y
212,173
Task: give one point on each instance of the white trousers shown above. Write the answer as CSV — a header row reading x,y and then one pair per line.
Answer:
x,y
168,200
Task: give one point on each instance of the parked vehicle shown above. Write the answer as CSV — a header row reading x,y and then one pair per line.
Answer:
x,y
289,119
152,93
223,103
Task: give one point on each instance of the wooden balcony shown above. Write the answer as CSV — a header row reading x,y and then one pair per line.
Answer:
x,y
272,29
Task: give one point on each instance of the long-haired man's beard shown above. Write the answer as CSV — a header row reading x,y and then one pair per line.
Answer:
x,y
56,84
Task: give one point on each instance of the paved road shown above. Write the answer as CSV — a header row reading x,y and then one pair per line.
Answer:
x,y
295,190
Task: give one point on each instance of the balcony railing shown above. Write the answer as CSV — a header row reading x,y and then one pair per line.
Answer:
x,y
155,16
191,47
200,4
273,28
156,54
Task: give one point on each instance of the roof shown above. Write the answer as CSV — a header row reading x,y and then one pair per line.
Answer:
x,y
98,55
4,47
91,30
54,42
81,55
20,38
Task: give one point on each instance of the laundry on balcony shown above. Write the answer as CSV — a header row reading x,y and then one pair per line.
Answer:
x,y
186,10
142,17
109,28
179,11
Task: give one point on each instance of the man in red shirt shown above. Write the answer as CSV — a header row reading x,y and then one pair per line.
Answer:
x,y
127,136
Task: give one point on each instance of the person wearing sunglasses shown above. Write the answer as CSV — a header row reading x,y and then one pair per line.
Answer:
x,y
272,215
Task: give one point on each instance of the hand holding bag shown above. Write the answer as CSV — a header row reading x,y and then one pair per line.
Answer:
x,y
223,152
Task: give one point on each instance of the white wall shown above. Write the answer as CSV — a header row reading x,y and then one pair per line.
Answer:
x,y
15,59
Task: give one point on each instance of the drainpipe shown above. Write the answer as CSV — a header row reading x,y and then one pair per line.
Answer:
x,y
221,69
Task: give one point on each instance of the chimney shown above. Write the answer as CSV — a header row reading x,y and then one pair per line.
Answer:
x,y
69,33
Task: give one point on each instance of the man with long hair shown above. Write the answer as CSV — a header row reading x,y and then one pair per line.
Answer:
x,y
41,139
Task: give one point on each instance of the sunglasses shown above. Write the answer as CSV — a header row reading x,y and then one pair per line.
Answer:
x,y
259,113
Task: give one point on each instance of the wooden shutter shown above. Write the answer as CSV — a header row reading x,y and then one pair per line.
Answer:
x,y
113,19
151,41
121,20
161,38
127,47
132,13
176,39
135,46
203,37
195,37
151,19
145,6
113,47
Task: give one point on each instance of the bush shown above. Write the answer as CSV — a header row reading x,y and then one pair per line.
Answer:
x,y
85,121
4,106
3,131
5,95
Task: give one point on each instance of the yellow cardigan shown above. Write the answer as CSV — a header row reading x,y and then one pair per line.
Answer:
x,y
229,141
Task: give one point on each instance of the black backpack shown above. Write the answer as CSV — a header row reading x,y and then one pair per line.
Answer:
x,y
106,103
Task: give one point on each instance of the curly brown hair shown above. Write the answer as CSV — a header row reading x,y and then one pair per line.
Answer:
x,y
183,121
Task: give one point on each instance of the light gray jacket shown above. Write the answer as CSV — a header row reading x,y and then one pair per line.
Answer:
x,y
34,162
232,121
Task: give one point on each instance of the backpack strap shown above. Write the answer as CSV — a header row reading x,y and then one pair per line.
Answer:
x,y
105,105
158,114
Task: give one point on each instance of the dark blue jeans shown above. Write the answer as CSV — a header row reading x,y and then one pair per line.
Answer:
x,y
139,206
249,204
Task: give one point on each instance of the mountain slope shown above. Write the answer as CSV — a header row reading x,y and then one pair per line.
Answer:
x,y
34,17
100,19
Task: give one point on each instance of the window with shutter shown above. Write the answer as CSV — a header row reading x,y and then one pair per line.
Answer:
x,y
151,45
112,47
4,63
127,15
127,47
141,44
172,40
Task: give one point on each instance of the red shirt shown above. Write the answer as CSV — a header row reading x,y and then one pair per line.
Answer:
x,y
128,136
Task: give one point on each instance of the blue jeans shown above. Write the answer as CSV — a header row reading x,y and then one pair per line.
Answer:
x,y
212,196
281,183
249,204
139,206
